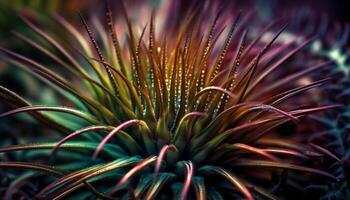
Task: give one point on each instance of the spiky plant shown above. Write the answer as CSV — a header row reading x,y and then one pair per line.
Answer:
x,y
187,116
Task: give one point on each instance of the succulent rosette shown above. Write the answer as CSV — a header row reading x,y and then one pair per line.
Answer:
x,y
164,106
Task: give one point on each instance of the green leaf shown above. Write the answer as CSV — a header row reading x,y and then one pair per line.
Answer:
x,y
262,163
235,181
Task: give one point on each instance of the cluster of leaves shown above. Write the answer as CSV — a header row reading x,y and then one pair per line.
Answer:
x,y
165,117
